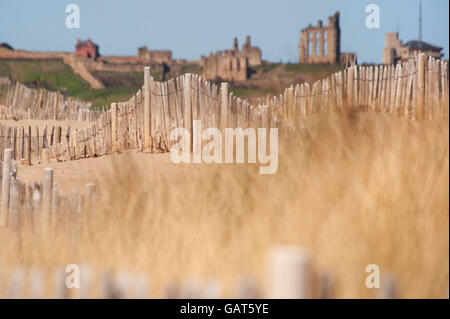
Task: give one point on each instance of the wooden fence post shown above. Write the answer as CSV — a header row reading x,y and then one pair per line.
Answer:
x,y
6,187
224,105
288,274
350,85
420,116
188,108
58,134
147,107
114,127
29,146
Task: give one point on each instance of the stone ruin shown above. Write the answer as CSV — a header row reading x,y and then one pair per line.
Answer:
x,y
395,51
231,65
154,56
322,44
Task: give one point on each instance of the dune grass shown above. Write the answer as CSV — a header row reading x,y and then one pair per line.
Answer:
x,y
352,189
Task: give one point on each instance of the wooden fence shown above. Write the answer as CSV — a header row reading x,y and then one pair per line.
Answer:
x,y
416,89
22,102
30,144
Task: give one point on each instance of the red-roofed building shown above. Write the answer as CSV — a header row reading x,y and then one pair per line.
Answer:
x,y
86,49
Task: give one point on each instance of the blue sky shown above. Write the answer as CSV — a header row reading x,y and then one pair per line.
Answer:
x,y
191,28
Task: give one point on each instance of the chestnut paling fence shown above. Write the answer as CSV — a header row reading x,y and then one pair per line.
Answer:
x,y
416,89
21,102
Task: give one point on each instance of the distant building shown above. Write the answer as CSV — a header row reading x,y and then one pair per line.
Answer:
x,y
395,51
154,56
321,44
252,53
231,64
6,46
86,49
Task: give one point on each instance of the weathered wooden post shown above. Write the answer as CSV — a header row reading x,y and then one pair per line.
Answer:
x,y
288,274
114,127
350,85
36,140
420,115
58,134
147,108
224,106
188,108
289,103
6,186
29,146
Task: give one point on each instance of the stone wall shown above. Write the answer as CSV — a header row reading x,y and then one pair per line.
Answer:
x,y
31,55
321,44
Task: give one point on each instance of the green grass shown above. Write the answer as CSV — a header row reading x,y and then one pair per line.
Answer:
x,y
106,96
194,69
266,67
52,75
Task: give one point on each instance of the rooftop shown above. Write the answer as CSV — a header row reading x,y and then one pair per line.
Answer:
x,y
420,45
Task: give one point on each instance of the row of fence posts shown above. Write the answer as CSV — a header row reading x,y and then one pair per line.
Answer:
x,y
22,102
42,201
51,143
415,89
288,276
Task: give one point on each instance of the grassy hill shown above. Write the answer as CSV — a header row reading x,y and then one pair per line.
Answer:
x,y
267,78
54,75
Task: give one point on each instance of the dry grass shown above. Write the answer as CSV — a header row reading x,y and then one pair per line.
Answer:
x,y
352,189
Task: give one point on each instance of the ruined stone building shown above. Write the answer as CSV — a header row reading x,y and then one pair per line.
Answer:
x,y
231,65
224,65
395,51
321,44
86,49
253,54
154,56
